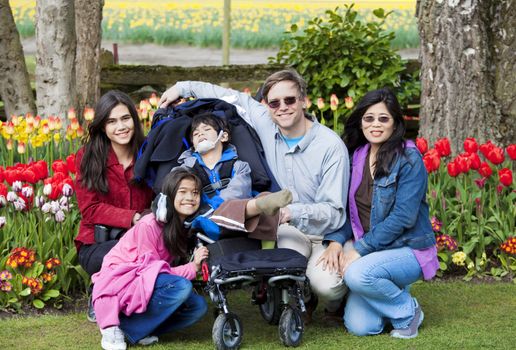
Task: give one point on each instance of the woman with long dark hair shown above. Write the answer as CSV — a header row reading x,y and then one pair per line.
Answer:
x,y
106,194
388,221
143,288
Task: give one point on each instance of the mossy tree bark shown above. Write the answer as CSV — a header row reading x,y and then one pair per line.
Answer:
x,y
55,57
15,87
88,18
468,70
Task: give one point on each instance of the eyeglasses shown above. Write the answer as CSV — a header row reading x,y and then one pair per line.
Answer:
x,y
289,100
382,119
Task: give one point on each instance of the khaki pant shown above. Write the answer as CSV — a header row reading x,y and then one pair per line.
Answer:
x,y
329,286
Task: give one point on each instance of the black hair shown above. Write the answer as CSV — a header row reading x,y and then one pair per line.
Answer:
x,y
354,136
97,145
212,120
175,235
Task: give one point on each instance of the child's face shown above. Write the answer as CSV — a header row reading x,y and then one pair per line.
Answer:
x,y
187,198
206,132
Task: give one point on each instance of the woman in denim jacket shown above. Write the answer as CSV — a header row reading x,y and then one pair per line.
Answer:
x,y
394,245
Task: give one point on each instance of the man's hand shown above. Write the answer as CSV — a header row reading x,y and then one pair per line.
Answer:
x,y
349,257
284,215
168,97
332,258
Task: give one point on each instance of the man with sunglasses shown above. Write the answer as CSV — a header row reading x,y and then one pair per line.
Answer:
x,y
305,157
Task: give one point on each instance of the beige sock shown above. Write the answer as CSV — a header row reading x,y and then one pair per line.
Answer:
x,y
271,203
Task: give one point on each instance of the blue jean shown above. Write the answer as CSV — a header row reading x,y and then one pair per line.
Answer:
x,y
173,306
379,286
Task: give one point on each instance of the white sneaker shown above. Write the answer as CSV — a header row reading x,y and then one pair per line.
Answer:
x,y
151,339
113,339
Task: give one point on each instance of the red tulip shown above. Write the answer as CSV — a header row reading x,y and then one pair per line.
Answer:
x,y
495,155
2,174
431,160
485,170
59,166
70,163
41,169
453,169
29,176
422,144
475,160
486,147
463,163
470,145
3,190
443,147
511,151
505,176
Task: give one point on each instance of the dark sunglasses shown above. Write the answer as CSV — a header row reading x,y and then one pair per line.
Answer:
x,y
382,119
290,100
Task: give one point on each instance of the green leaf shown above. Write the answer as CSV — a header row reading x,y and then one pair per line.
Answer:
x,y
38,304
443,266
51,293
380,13
25,292
293,28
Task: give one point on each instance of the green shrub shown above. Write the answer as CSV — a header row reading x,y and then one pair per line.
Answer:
x,y
342,55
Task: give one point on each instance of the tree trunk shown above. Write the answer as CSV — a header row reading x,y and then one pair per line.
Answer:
x,y
467,70
88,18
55,57
15,87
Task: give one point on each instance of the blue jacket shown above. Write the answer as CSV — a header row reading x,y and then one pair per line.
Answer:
x,y
399,211
238,188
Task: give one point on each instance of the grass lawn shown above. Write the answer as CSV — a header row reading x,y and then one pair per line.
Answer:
x,y
458,315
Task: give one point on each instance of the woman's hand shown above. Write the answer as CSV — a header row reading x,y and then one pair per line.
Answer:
x,y
332,257
200,254
349,257
136,217
169,96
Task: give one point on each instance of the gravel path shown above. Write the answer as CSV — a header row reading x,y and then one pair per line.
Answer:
x,y
185,56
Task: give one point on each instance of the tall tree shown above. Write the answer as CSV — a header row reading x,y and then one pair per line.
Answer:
x,y
468,69
88,19
15,89
55,57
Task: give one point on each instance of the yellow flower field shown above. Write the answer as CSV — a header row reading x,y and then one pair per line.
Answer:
x,y
258,23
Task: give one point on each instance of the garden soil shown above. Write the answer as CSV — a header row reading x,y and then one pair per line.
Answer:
x,y
185,56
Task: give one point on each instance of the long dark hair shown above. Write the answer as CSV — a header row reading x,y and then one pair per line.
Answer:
x,y
175,235
96,148
354,137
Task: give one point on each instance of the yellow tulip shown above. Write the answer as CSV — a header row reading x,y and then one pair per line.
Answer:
x,y
334,102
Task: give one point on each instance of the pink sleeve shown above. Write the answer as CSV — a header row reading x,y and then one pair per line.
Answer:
x,y
187,271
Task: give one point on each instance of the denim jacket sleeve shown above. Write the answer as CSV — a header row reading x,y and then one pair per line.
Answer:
x,y
410,192
342,235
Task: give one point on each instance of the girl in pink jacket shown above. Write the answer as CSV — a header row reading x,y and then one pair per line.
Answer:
x,y
143,288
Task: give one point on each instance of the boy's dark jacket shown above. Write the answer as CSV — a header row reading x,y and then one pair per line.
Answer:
x,y
169,137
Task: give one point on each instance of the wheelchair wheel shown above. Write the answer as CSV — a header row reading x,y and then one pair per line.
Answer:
x,y
227,332
291,327
271,308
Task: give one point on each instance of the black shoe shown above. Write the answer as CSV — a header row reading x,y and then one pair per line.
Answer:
x,y
335,318
310,306
90,315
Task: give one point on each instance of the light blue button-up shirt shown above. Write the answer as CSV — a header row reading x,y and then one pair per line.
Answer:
x,y
316,170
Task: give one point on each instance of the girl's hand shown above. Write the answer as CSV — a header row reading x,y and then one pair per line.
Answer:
x,y
349,257
200,254
332,257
